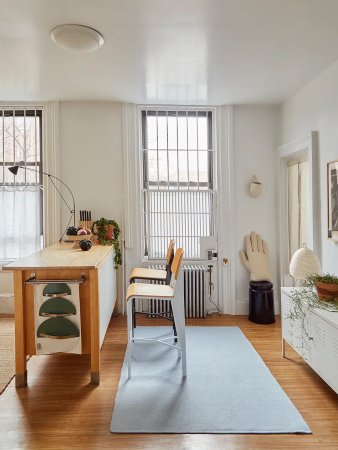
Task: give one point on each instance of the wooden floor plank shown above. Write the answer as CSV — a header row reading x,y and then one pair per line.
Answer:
x,y
60,409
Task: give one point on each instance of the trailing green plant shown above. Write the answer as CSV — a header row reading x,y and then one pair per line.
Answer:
x,y
102,227
304,300
325,278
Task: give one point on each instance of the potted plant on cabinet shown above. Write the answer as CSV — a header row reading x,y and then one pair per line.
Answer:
x,y
326,286
317,291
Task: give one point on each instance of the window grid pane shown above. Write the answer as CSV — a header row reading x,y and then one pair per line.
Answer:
x,y
178,197
21,227
20,143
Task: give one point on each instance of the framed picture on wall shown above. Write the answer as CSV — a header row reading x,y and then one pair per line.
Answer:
x,y
332,191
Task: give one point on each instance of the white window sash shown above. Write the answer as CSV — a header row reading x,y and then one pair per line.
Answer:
x,y
175,209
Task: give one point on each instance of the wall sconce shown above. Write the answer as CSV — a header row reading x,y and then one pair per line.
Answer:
x,y
255,187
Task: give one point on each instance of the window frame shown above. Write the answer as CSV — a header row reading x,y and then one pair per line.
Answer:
x,y
35,111
185,112
211,185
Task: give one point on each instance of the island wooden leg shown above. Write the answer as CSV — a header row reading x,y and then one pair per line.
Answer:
x,y
20,344
94,328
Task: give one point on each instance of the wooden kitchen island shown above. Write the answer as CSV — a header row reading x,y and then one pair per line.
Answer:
x,y
97,297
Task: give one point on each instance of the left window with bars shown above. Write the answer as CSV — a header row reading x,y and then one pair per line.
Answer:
x,y
21,196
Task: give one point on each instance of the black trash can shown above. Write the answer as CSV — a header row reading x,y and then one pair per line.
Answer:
x,y
261,306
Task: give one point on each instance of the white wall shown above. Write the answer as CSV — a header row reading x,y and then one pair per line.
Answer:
x,y
91,156
315,108
255,134
91,163
90,142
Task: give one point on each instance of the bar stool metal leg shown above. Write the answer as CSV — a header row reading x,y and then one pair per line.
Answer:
x,y
130,334
134,315
178,312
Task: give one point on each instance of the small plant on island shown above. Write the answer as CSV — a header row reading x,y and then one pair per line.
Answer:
x,y
108,232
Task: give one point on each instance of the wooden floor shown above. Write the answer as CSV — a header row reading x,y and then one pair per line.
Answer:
x,y
60,410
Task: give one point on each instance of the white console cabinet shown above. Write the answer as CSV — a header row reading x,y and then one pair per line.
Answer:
x,y
319,346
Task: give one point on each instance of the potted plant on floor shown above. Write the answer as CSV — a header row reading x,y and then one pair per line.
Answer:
x,y
107,233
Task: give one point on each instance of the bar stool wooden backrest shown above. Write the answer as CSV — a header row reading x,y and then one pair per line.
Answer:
x,y
170,251
175,266
169,258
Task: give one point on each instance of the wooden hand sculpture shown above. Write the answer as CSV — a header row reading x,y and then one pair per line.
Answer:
x,y
256,259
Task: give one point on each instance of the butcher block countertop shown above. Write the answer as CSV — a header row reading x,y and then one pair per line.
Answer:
x,y
62,256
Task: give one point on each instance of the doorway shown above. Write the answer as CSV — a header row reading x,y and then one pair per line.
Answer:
x,y
298,198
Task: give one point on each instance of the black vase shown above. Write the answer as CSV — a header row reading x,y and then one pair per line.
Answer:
x,y
86,245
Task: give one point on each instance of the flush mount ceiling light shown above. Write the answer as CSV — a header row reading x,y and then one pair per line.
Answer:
x,y
77,38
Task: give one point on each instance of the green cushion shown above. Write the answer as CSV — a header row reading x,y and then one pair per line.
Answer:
x,y
57,305
58,326
56,289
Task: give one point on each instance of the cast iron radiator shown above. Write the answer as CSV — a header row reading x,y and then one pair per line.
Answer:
x,y
194,292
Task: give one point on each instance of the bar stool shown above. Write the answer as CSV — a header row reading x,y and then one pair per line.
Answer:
x,y
144,273
163,276
160,292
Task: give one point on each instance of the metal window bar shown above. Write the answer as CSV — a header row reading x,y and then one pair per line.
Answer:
x,y
3,146
21,144
20,141
25,143
14,137
181,206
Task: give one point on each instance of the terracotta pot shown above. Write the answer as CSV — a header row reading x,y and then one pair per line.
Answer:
x,y
110,231
327,291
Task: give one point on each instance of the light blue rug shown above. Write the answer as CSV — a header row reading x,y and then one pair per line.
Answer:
x,y
228,388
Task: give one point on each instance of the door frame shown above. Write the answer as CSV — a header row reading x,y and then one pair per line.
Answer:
x,y
299,148
225,209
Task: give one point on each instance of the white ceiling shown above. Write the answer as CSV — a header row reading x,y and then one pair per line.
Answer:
x,y
168,51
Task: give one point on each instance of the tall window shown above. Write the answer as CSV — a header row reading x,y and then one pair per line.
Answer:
x,y
178,179
20,195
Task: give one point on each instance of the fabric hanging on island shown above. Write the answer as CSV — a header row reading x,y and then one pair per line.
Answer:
x,y
57,318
